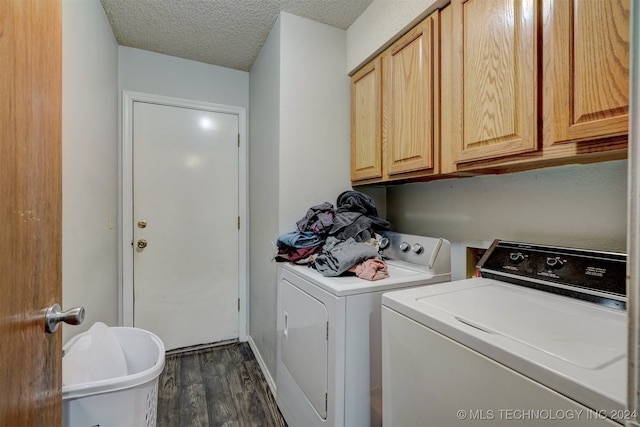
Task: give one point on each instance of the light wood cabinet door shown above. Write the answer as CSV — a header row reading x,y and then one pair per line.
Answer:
x,y
366,122
494,78
586,69
409,129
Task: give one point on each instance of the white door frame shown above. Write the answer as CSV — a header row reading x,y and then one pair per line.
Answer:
x,y
125,285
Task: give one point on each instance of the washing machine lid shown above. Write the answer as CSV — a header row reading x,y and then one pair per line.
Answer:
x,y
401,274
574,347
582,334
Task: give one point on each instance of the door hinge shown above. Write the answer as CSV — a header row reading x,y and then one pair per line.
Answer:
x,y
326,402
327,331
238,140
238,223
238,304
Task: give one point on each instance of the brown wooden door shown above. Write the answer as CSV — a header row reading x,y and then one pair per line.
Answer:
x,y
586,73
494,78
30,210
366,117
410,70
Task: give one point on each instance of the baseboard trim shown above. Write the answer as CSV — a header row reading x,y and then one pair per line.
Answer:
x,y
267,375
200,346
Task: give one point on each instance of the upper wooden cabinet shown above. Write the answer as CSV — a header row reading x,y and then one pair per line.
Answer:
x,y
586,70
494,76
394,114
410,88
486,86
535,83
366,129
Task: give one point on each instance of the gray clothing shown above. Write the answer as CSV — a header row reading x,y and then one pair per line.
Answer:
x,y
319,219
339,256
356,216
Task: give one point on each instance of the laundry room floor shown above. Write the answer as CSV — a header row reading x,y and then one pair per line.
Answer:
x,y
217,386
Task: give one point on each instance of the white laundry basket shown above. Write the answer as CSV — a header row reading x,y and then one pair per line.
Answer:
x,y
129,400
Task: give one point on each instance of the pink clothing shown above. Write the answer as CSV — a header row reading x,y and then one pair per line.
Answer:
x,y
371,269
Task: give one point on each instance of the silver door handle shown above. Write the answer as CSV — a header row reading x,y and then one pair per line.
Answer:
x,y
55,315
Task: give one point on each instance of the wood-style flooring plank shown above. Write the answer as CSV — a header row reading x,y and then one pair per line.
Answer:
x,y
247,389
193,403
169,393
218,386
220,406
262,397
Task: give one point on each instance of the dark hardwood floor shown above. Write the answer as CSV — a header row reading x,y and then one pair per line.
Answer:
x,y
216,386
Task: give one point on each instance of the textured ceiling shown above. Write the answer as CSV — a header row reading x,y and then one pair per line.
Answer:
x,y
228,33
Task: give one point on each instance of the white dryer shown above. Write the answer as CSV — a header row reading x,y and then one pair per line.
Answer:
x,y
539,340
329,367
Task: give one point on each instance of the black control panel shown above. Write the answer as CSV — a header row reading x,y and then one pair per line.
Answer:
x,y
586,274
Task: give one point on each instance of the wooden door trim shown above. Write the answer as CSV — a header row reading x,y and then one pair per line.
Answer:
x,y
126,221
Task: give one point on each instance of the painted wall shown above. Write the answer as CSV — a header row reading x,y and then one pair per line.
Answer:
x,y
264,166
154,73
89,164
576,206
380,24
315,148
299,151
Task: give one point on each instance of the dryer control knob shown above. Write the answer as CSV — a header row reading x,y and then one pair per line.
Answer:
x,y
555,262
417,249
384,242
404,246
516,256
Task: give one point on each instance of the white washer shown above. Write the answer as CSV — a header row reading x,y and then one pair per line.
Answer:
x,y
329,368
511,348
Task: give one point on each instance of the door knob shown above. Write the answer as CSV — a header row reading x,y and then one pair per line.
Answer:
x,y
54,315
142,243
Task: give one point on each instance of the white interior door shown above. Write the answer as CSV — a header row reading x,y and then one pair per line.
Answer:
x,y
185,223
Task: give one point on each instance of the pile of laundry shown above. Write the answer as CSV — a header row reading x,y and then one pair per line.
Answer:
x,y
338,240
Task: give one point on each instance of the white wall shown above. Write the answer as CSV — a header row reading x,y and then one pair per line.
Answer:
x,y
315,143
264,166
299,150
154,73
380,24
576,206
89,164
